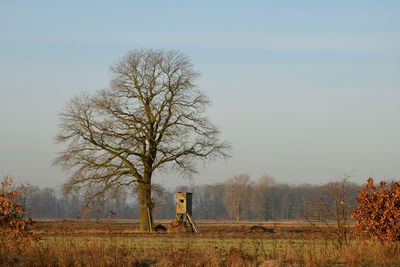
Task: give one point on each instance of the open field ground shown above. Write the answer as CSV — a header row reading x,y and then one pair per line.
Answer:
x,y
120,243
288,229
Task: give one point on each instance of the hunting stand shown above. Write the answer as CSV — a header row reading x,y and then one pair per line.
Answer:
x,y
184,209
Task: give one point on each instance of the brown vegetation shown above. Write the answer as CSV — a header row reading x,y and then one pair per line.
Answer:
x,y
378,212
12,225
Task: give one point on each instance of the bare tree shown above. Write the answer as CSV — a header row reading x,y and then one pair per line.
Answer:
x,y
151,117
335,206
261,196
236,197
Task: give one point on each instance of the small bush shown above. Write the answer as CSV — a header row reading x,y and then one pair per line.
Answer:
x,y
378,212
13,227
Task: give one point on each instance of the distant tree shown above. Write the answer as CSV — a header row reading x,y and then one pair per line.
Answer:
x,y
164,203
304,195
279,208
208,202
151,118
202,202
260,198
378,212
236,196
218,210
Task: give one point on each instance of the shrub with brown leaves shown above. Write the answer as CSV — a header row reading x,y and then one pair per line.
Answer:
x,y
13,227
378,212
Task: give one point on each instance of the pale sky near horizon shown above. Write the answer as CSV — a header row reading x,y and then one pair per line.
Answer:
x,y
304,90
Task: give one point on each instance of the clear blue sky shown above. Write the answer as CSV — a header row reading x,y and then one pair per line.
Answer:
x,y
305,90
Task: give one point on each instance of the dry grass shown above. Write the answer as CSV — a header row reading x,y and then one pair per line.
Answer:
x,y
70,248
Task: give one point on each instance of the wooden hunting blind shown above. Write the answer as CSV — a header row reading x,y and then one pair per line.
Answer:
x,y
184,209
183,203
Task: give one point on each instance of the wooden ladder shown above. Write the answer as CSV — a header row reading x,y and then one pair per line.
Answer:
x,y
192,224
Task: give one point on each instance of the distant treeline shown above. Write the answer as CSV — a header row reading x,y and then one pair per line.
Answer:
x,y
237,198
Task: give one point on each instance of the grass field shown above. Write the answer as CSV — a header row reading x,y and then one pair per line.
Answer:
x,y
120,243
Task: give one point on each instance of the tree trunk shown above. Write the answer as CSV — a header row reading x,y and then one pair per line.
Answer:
x,y
146,207
238,213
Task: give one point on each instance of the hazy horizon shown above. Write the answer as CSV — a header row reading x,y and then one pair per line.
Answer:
x,y
305,91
